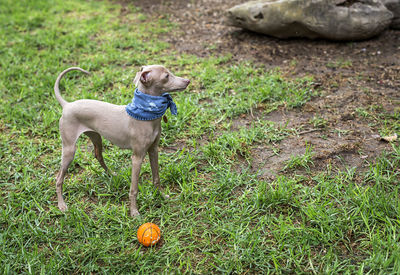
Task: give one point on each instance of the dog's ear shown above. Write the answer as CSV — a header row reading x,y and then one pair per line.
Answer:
x,y
145,77
136,79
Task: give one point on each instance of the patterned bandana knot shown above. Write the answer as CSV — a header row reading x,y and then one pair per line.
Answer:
x,y
149,107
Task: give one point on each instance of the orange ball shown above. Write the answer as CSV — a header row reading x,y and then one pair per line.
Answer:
x,y
148,234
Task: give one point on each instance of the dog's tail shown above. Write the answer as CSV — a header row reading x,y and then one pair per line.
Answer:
x,y
57,84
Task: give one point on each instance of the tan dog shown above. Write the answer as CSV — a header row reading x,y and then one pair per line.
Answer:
x,y
97,118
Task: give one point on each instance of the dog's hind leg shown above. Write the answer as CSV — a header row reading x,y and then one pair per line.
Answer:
x,y
98,149
69,137
68,152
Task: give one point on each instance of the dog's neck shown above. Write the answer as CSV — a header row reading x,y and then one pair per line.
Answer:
x,y
148,90
148,107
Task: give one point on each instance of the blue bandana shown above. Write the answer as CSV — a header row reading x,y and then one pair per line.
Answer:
x,y
150,107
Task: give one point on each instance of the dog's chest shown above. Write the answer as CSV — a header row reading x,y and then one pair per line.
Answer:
x,y
146,132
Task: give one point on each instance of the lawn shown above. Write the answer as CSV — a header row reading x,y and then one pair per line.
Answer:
x,y
222,216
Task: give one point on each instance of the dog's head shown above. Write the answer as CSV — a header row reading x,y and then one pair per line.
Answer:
x,y
157,80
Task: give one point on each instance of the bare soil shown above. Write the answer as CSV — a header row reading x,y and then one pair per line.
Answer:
x,y
351,76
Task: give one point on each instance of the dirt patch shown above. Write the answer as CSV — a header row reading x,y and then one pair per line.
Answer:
x,y
352,76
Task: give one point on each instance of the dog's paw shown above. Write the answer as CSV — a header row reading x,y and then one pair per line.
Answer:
x,y
165,196
62,206
112,174
135,213
161,194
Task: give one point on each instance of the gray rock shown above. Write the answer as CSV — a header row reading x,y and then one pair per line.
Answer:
x,y
394,7
330,19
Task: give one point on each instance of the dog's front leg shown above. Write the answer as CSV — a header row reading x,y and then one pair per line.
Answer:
x,y
136,165
153,156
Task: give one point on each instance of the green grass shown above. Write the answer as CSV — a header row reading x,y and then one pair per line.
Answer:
x,y
220,218
304,160
389,123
